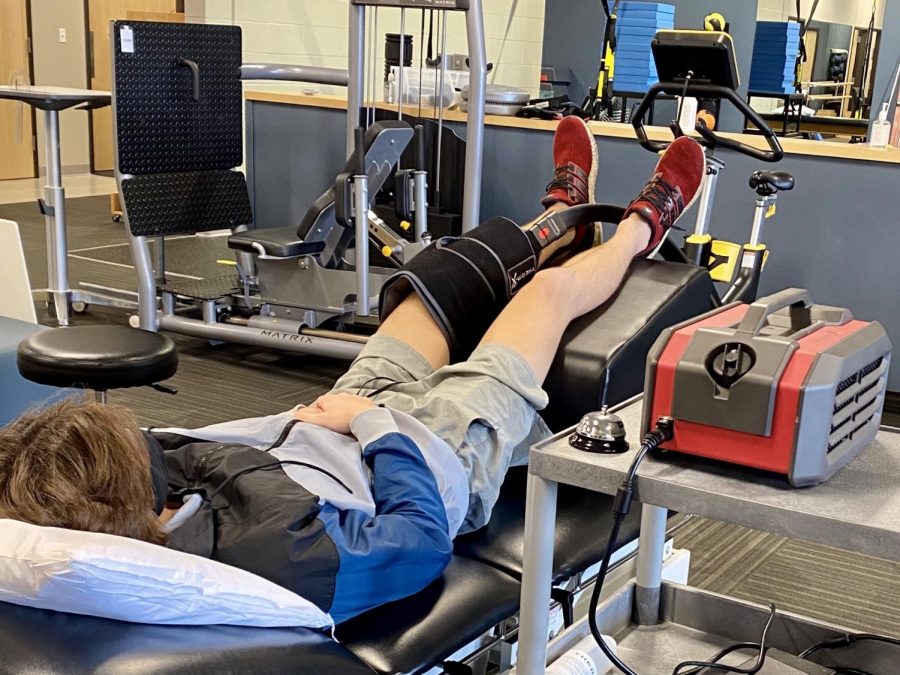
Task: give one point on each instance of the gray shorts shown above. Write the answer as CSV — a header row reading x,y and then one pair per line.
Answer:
x,y
484,408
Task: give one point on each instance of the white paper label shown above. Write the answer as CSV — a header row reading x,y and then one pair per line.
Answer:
x,y
126,35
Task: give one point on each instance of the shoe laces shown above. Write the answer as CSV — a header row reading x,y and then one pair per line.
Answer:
x,y
564,178
667,200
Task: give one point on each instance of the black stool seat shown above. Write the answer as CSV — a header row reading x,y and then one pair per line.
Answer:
x,y
97,357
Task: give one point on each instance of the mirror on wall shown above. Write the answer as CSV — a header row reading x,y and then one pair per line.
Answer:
x,y
840,42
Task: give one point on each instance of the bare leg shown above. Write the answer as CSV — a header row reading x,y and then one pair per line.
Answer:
x,y
533,322
411,322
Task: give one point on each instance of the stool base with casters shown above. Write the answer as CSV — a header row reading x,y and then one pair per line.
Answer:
x,y
99,358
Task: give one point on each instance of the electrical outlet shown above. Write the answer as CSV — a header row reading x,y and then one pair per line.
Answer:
x,y
62,34
457,62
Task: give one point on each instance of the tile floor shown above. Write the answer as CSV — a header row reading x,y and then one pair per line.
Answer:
x,y
75,184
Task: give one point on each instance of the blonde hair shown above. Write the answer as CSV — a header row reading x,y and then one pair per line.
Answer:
x,y
81,466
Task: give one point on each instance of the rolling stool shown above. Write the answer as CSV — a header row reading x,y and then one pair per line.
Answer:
x,y
98,358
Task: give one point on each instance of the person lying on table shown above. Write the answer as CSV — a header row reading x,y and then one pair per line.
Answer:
x,y
355,500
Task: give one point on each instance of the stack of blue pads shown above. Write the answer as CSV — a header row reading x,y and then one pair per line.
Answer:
x,y
775,56
637,23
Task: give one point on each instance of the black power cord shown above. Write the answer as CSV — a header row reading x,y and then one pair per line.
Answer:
x,y
663,432
845,641
713,663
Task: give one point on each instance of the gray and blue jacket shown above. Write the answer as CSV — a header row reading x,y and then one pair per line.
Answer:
x,y
347,522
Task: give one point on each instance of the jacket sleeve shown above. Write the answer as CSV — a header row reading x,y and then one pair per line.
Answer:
x,y
406,544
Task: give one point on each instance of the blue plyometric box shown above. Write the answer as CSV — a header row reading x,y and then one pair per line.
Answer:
x,y
630,51
632,87
775,43
640,45
658,23
635,31
631,8
766,53
635,54
634,72
787,26
625,59
789,34
775,34
783,64
773,89
771,72
656,17
763,38
780,87
776,82
621,79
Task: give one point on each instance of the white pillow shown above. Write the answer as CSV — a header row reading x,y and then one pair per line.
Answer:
x,y
120,578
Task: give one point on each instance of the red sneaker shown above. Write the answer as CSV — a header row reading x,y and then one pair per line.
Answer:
x,y
575,158
675,185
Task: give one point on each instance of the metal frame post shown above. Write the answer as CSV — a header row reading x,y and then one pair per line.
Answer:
x,y
55,221
420,197
361,222
475,134
651,547
704,212
143,266
537,574
356,70
759,219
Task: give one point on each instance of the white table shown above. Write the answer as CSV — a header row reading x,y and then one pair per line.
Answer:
x,y
857,510
51,100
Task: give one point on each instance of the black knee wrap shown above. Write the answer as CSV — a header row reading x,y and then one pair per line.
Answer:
x,y
465,282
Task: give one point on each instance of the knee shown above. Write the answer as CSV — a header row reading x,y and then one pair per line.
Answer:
x,y
554,285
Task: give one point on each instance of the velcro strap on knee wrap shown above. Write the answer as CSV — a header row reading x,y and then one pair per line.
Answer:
x,y
466,282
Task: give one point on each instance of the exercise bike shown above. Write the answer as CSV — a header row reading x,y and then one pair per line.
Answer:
x,y
703,65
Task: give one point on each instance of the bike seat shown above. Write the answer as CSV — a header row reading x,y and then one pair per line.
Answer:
x,y
774,180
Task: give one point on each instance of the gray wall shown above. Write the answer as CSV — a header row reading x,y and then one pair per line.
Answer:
x,y
289,169
889,53
573,38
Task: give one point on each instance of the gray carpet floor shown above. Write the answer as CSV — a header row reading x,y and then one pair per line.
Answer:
x,y
221,382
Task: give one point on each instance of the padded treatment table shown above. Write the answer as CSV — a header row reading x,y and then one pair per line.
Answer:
x,y
53,643
414,634
479,588
583,522
16,393
602,355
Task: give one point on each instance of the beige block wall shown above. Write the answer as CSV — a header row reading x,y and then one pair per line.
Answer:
x,y
314,32
63,65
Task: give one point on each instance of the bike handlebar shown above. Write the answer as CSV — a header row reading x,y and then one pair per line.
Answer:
x,y
709,137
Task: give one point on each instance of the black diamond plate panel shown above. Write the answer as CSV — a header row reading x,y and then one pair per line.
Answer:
x,y
160,127
211,288
184,203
